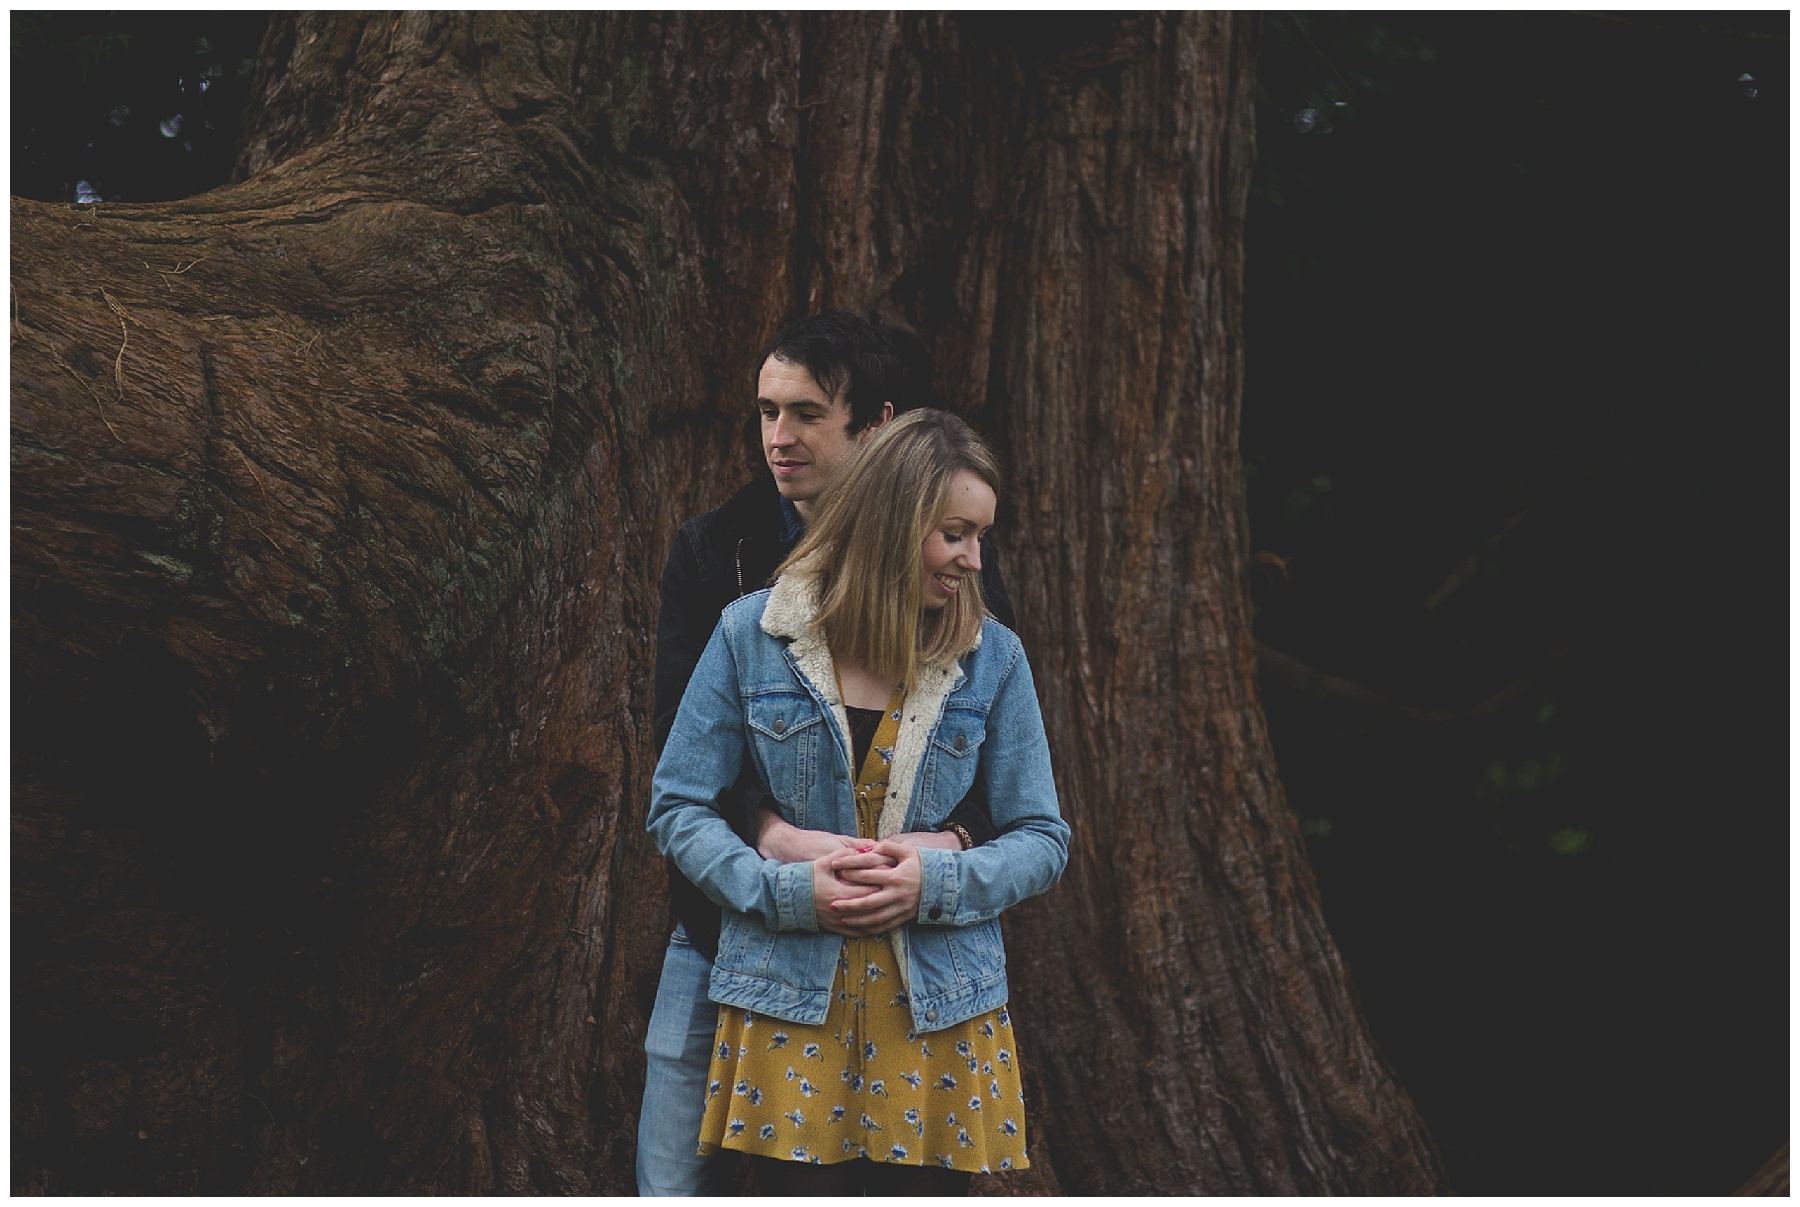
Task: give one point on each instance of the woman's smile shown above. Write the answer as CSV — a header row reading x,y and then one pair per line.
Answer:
x,y
952,549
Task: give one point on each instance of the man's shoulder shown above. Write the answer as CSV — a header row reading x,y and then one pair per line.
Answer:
x,y
755,510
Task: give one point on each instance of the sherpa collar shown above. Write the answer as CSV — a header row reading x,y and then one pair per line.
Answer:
x,y
792,612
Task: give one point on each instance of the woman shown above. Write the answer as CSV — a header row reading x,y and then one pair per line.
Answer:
x,y
868,689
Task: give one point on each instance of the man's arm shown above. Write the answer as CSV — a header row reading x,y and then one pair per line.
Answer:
x,y
684,625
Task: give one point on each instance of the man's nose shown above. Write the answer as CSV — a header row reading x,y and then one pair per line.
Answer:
x,y
779,434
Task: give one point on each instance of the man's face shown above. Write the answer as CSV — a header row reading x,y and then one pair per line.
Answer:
x,y
805,431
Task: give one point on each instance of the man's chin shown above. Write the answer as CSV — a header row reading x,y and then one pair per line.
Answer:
x,y
793,492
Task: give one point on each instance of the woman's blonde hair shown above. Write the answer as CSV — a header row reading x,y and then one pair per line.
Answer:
x,y
866,546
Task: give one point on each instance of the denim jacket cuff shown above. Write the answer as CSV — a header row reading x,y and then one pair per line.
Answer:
x,y
937,887
794,897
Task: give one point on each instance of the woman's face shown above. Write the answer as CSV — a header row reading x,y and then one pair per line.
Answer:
x,y
952,551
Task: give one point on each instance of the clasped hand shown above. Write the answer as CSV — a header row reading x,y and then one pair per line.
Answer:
x,y
860,888
868,891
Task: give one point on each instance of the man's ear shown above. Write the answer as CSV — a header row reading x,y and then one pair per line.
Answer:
x,y
882,416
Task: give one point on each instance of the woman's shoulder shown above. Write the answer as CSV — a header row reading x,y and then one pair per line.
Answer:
x,y
992,631
743,615
999,646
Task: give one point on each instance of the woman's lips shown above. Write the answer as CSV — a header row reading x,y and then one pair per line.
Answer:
x,y
947,583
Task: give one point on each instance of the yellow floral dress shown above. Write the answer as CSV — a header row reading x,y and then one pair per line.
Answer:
x,y
863,1083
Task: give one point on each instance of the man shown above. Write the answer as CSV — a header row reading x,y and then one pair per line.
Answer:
x,y
823,385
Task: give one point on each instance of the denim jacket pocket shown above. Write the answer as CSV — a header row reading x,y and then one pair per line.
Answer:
x,y
784,734
950,764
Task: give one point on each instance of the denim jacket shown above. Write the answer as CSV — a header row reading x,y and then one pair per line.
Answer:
x,y
765,692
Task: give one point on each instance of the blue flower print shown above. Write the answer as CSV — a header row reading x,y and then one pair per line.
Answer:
x,y
807,1088
1004,1057
837,1115
869,1050
918,1124
1009,1128
766,1132
896,1153
944,1160
946,1082
987,1029
795,1117
811,1052
856,1083
975,1103
1005,1162
868,1123
963,1049
790,1072
712,1088
798,1153
878,1087
987,1068
724,1051
994,1088
962,1137
742,1087
873,972
779,1040
1005,1018
912,1079
755,1096
736,1127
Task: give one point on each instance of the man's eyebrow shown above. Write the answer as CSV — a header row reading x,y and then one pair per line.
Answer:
x,y
804,402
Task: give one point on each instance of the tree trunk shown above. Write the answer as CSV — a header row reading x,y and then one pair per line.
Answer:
x,y
340,496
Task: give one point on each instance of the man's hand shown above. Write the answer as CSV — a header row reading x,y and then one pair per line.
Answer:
x,y
784,843
924,838
888,878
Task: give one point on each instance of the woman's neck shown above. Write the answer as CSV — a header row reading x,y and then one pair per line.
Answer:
x,y
863,688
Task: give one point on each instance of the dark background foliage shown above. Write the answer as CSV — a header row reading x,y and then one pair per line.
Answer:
x,y
1515,424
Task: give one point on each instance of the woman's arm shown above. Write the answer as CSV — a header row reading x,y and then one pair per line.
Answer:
x,y
707,745
963,887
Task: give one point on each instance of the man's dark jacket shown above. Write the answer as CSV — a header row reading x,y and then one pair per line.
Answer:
x,y
718,557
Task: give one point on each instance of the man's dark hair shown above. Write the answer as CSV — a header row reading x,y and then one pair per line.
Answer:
x,y
855,357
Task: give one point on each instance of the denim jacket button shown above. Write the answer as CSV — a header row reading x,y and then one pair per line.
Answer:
x,y
961,743
931,1016
780,726
936,913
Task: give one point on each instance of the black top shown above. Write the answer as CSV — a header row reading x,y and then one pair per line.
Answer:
x,y
863,724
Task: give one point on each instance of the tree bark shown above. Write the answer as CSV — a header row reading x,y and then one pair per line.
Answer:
x,y
340,496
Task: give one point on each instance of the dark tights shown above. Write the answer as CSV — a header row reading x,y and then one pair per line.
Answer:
x,y
777,1177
